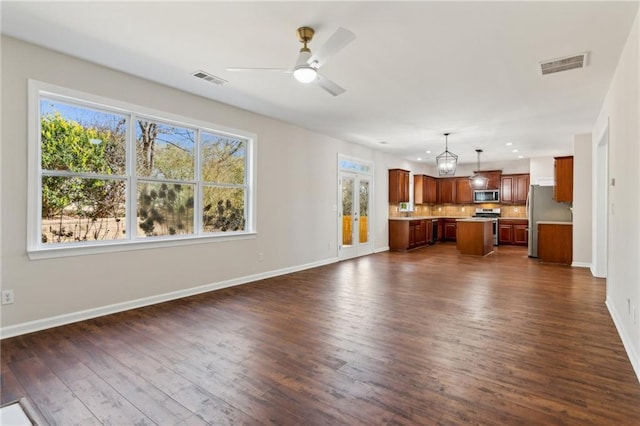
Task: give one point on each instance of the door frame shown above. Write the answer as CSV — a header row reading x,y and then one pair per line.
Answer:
x,y
600,253
357,167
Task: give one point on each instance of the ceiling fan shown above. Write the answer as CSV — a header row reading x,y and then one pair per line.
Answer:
x,y
306,67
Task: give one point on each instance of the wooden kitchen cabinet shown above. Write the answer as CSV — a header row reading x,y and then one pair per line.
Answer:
x,y
408,234
555,243
513,232
446,190
493,177
450,229
514,189
505,233
424,189
430,189
464,192
521,234
563,174
398,186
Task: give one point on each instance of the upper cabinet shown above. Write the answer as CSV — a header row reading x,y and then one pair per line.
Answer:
x,y
424,189
464,193
398,186
514,189
446,190
563,173
493,177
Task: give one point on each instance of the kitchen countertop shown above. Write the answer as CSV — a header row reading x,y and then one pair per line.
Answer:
x,y
552,222
475,219
410,218
429,217
512,218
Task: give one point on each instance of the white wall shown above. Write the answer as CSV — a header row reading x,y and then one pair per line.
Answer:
x,y
621,109
582,200
297,191
541,169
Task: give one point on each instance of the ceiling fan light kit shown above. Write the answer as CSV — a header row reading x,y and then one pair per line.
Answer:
x,y
478,181
303,72
447,161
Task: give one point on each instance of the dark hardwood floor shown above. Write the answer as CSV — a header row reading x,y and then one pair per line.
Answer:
x,y
427,337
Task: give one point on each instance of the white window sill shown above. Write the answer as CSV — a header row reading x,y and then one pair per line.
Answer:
x,y
120,246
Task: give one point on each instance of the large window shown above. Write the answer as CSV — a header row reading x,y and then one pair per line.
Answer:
x,y
112,174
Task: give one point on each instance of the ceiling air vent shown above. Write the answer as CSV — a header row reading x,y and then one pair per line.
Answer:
x,y
209,77
564,64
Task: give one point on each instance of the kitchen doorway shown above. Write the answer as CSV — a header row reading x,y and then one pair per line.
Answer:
x,y
355,190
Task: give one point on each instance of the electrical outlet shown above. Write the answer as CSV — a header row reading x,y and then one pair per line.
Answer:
x,y
260,257
7,297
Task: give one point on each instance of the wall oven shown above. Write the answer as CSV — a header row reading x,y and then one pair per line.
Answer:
x,y
486,196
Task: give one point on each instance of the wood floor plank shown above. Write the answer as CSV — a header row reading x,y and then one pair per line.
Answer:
x,y
427,337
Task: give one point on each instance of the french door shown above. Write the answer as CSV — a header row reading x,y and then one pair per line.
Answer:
x,y
353,213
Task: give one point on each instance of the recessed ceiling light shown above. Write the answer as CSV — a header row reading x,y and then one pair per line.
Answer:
x,y
509,143
428,152
520,156
419,159
514,150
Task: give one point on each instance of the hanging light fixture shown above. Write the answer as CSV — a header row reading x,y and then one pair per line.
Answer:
x,y
478,181
447,161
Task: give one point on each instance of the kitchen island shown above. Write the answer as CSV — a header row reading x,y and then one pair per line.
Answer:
x,y
475,236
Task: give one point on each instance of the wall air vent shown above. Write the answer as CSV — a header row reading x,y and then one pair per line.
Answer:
x,y
564,64
209,77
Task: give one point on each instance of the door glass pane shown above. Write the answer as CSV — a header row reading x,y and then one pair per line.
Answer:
x,y
364,212
347,211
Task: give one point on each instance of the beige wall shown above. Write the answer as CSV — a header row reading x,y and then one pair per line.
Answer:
x,y
296,199
582,200
621,110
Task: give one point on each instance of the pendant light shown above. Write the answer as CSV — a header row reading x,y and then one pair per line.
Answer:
x,y
447,161
478,181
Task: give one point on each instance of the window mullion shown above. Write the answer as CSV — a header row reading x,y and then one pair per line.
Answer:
x,y
132,181
198,193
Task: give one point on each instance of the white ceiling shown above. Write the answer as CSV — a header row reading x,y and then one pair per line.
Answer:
x,y
415,70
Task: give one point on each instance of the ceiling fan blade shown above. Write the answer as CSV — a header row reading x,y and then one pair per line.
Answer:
x,y
333,45
285,70
330,86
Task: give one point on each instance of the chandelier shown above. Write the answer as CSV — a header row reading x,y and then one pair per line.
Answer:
x,y
478,181
447,161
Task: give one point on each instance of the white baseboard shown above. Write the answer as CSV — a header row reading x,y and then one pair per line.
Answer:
x,y
628,346
45,323
381,249
581,265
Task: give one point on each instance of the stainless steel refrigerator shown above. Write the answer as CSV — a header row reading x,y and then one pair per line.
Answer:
x,y
542,207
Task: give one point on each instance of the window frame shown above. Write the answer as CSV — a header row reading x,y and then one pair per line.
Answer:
x,y
37,250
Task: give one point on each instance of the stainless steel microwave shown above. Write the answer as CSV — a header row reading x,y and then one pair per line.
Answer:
x,y
486,196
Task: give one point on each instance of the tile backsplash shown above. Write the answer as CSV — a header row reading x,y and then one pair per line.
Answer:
x,y
458,210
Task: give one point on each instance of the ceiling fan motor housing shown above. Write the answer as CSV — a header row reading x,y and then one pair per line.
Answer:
x,y
305,34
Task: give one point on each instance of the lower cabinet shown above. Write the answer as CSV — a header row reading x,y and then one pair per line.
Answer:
x,y
450,229
555,243
513,232
409,234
